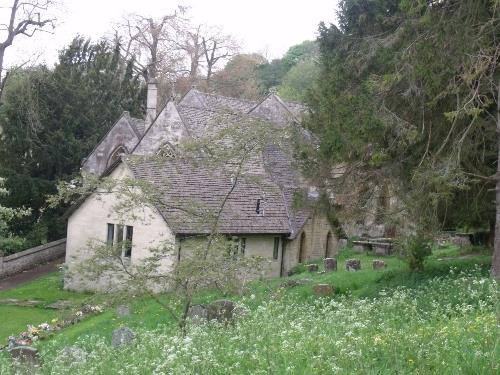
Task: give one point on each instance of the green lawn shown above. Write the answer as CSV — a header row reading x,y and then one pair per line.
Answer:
x,y
359,296
15,319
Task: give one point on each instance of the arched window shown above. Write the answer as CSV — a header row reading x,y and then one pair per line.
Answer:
x,y
328,245
116,155
166,151
302,247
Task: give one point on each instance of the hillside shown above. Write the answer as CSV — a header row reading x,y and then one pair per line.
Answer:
x,y
388,321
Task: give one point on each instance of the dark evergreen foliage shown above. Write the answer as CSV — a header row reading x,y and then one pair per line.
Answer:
x,y
52,118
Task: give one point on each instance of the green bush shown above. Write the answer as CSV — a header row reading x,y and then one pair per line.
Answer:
x,y
415,249
11,245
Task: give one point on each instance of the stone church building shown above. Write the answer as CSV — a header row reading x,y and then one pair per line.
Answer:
x,y
260,216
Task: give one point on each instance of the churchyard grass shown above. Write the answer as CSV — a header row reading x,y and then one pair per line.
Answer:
x,y
46,290
444,320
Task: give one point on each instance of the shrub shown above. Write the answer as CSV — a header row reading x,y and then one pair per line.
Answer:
x,y
11,245
415,249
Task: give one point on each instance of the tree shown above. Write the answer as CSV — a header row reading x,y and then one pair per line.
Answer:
x,y
214,260
8,243
26,18
149,42
406,101
271,74
238,78
217,48
298,80
51,120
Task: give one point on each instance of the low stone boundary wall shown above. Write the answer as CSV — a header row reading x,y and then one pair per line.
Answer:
x,y
30,258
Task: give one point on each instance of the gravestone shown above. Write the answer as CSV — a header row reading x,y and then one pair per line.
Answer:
x,y
358,248
352,265
122,336
322,290
312,267
60,305
330,264
378,264
73,354
197,313
221,310
123,311
342,243
25,359
296,282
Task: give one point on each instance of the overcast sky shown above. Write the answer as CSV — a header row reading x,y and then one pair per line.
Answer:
x,y
265,26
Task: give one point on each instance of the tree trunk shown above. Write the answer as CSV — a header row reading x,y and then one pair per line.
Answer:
x,y
495,264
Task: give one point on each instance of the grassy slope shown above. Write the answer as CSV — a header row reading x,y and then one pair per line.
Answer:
x,y
47,290
148,314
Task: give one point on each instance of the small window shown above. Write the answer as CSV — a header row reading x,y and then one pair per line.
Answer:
x,y
129,234
111,234
276,248
259,207
243,245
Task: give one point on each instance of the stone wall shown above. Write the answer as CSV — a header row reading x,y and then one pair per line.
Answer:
x,y
30,258
316,230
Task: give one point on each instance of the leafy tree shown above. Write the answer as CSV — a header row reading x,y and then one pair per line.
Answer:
x,y
238,78
212,260
298,80
406,101
271,74
9,243
51,119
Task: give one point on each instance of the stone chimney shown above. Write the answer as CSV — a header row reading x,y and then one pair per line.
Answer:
x,y
151,102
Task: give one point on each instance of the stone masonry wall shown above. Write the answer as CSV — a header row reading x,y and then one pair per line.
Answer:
x,y
30,258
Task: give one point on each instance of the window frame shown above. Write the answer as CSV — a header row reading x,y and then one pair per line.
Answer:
x,y
110,234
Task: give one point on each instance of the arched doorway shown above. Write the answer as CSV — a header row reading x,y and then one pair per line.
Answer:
x,y
302,247
328,245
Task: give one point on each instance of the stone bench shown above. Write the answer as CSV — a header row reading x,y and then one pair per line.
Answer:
x,y
381,246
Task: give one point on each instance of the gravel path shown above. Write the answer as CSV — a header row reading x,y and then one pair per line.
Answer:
x,y
25,276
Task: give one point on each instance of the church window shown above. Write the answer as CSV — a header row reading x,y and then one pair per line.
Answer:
x,y
116,155
166,151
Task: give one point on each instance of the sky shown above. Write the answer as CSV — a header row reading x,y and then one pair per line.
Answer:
x,y
268,27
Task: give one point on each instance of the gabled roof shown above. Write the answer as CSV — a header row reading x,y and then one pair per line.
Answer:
x,y
135,124
218,103
192,193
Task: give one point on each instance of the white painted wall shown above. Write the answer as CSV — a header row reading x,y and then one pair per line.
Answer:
x,y
89,223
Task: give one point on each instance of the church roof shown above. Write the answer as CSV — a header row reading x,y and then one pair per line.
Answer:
x,y
192,193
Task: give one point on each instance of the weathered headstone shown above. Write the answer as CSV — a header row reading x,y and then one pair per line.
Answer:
x,y
358,248
330,264
123,311
73,354
343,243
221,310
312,267
322,290
352,265
60,305
382,248
122,336
197,313
295,282
461,239
25,359
378,264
